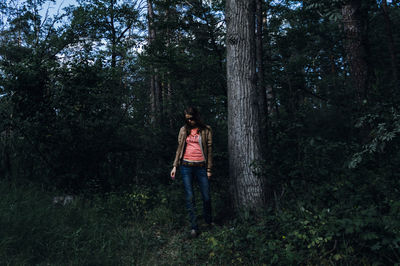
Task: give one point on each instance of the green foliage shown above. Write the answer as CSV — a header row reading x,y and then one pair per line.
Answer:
x,y
110,23
74,115
383,129
299,236
34,231
103,230
138,201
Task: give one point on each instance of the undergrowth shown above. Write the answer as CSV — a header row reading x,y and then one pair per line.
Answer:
x,y
149,227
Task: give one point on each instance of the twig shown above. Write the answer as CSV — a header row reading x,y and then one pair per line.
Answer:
x,y
330,251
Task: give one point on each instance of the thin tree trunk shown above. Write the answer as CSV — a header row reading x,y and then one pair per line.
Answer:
x,y
151,36
155,92
355,47
270,102
150,18
213,39
244,117
260,72
113,38
391,46
168,110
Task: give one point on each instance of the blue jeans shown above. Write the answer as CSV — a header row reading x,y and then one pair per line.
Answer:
x,y
189,173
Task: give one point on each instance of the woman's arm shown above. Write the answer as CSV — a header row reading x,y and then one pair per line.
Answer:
x,y
179,148
178,151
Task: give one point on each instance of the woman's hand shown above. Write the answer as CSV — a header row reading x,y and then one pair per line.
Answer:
x,y
209,174
173,172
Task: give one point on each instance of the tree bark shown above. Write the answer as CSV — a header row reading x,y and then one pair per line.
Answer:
x,y
260,72
244,116
355,47
155,91
391,46
271,102
113,38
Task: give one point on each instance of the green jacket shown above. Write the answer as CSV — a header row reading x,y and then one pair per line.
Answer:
x,y
205,141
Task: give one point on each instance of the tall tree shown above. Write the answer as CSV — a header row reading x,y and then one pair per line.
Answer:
x,y
260,63
390,41
244,117
109,21
155,90
355,46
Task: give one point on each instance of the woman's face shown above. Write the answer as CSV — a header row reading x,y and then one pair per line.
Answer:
x,y
190,120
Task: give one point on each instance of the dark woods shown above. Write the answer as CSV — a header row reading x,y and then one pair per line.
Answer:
x,y
92,98
79,105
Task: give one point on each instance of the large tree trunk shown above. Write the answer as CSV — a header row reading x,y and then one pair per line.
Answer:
x,y
355,47
155,91
244,127
391,46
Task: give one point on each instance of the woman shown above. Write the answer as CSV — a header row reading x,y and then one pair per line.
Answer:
x,y
194,156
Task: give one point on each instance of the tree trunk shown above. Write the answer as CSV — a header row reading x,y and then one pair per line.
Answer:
x,y
260,71
271,102
391,46
244,117
355,47
113,38
155,91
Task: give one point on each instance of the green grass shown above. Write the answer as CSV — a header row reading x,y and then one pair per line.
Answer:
x,y
146,227
34,231
142,227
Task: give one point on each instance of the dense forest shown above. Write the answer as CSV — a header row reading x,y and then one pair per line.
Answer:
x,y
302,97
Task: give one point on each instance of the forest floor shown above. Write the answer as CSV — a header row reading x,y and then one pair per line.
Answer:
x,y
139,229
44,228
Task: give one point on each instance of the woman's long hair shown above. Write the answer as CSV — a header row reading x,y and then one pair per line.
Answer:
x,y
196,117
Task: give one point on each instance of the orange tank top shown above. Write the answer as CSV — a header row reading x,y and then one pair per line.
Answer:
x,y
193,150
